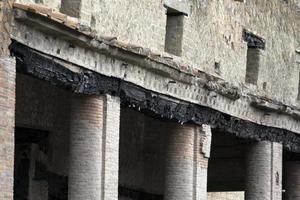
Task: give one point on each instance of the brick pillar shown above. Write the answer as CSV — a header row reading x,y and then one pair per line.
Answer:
x,y
7,124
187,152
292,180
94,148
264,171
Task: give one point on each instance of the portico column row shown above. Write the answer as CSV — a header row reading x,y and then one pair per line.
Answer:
x,y
187,153
94,148
264,171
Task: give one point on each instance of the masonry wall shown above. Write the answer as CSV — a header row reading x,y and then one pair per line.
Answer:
x,y
138,22
213,34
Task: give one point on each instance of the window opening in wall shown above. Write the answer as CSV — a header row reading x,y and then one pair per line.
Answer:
x,y
174,32
255,45
253,58
298,97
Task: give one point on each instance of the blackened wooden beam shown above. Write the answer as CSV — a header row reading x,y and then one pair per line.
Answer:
x,y
44,67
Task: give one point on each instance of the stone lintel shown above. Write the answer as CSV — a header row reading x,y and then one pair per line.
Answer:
x,y
177,7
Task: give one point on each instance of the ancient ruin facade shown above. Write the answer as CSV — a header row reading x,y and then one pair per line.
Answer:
x,y
149,100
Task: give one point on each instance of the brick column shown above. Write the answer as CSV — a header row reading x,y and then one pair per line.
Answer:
x,y
7,124
187,152
292,180
94,148
264,171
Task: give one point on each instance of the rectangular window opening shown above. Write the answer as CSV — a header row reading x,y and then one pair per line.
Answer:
x,y
255,45
252,69
298,97
174,32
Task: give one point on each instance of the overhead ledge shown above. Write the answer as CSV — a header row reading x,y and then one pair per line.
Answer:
x,y
178,6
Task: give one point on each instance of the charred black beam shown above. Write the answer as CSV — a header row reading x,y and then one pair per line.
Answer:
x,y
253,40
38,65
28,135
138,195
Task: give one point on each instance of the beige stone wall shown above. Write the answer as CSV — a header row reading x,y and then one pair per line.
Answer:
x,y
213,33
138,22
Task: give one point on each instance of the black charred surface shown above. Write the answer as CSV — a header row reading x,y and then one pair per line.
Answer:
x,y
138,195
57,186
35,64
28,136
253,40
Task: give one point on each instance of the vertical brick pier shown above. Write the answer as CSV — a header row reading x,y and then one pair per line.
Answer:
x,y
264,171
7,124
186,162
94,148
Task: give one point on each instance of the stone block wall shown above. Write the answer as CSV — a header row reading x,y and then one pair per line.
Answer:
x,y
212,35
138,22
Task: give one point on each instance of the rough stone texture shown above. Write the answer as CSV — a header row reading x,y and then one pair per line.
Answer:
x,y
264,171
292,180
138,22
93,169
159,78
217,27
5,26
185,166
7,124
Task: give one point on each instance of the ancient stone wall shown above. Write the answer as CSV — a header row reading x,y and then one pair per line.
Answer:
x,y
213,39
212,36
